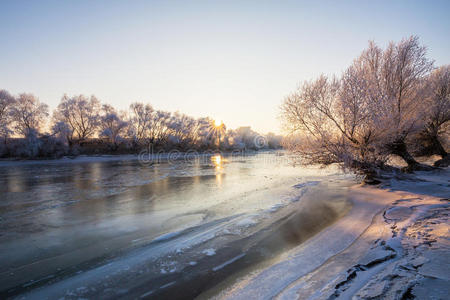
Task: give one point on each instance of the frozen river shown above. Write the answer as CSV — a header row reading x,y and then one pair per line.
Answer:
x,y
62,220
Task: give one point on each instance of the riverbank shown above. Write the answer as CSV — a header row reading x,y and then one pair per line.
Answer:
x,y
393,244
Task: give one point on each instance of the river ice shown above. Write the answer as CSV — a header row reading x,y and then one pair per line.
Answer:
x,y
66,218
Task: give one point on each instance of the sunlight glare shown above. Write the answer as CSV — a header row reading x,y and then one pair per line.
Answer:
x,y
217,161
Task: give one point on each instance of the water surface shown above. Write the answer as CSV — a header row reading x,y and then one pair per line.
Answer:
x,y
59,217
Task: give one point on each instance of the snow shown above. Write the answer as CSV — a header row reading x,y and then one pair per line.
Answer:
x,y
146,294
167,285
394,241
275,207
273,280
209,252
247,222
221,266
166,236
306,184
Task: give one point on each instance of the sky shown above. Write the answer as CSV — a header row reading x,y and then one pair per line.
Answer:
x,y
234,61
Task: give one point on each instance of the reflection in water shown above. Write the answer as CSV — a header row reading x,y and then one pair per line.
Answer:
x,y
217,160
219,179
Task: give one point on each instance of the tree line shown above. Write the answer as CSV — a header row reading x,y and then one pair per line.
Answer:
x,y
83,125
390,101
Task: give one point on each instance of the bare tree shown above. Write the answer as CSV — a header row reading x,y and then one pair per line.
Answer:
x,y
28,114
81,116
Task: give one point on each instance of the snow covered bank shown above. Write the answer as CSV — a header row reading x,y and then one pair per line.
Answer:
x,y
394,244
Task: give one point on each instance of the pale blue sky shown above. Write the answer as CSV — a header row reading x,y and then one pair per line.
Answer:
x,y
232,60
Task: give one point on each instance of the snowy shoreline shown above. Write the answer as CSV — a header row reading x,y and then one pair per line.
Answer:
x,y
403,251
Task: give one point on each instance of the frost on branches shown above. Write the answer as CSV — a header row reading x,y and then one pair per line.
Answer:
x,y
372,111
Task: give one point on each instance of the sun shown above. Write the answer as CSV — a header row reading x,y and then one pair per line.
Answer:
x,y
217,123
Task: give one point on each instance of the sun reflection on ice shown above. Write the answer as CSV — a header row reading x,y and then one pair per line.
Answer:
x,y
218,161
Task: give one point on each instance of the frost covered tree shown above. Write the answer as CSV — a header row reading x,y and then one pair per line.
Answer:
x,y
28,115
437,108
331,126
273,140
203,137
159,128
112,125
80,114
244,137
62,131
149,127
139,122
397,78
366,114
6,104
183,129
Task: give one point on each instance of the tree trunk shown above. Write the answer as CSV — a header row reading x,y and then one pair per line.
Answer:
x,y
438,148
399,148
